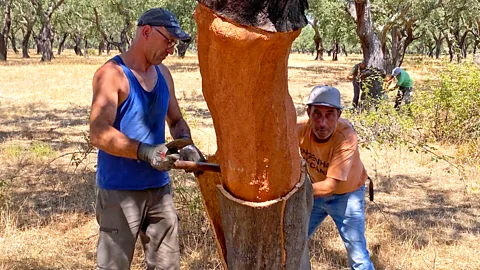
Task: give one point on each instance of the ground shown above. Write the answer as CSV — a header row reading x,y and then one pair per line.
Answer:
x,y
424,215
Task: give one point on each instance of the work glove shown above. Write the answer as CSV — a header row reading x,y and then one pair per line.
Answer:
x,y
192,153
157,156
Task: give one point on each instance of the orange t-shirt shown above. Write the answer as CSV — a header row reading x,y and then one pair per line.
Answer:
x,y
338,158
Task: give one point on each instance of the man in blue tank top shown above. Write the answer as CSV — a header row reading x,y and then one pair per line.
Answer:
x,y
133,96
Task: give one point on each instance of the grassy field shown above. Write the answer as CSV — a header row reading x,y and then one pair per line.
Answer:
x,y
423,217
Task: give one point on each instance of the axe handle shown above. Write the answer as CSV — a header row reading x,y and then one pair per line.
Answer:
x,y
196,166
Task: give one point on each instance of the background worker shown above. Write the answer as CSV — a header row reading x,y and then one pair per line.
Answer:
x,y
354,76
404,84
133,96
328,144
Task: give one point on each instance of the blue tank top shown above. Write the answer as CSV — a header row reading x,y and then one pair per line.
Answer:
x,y
141,117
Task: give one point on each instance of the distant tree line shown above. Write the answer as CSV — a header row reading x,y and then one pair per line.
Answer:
x,y
384,30
45,25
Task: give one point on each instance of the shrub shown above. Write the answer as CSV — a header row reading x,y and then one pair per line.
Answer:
x,y
449,110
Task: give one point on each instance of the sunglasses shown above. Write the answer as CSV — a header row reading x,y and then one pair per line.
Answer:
x,y
171,42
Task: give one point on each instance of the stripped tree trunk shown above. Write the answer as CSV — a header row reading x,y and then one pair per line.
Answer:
x,y
259,206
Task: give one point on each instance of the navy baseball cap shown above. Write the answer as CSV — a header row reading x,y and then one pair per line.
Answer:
x,y
163,17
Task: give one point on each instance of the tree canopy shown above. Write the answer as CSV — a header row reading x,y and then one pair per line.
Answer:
x,y
432,26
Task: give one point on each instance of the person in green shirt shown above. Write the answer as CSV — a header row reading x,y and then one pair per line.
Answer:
x,y
405,86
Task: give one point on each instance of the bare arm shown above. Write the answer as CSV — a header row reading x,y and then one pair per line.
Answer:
x,y
324,188
178,126
107,85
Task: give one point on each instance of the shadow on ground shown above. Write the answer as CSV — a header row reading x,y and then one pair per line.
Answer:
x,y
449,212
31,122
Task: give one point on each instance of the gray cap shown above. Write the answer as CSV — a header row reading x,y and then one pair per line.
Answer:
x,y
325,95
163,17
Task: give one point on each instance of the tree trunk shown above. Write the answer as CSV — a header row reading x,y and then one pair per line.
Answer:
x,y
335,51
45,41
7,21
318,41
475,45
61,44
463,44
371,45
101,47
344,50
46,36
438,47
431,50
13,39
259,206
182,49
451,49
26,37
85,47
77,39
109,48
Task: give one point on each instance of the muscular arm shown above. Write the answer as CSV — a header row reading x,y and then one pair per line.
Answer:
x,y
107,86
325,187
178,126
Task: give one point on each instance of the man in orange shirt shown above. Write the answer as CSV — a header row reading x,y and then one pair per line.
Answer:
x,y
329,146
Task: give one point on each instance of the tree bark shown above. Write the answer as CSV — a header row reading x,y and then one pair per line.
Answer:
x,y
78,40
27,35
438,43
451,49
250,204
182,49
36,39
61,44
13,39
101,47
371,45
45,37
344,50
278,240
318,41
272,16
335,51
85,47
7,21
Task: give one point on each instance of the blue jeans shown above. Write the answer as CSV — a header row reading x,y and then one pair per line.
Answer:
x,y
348,213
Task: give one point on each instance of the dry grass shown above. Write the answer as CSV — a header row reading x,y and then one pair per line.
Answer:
x,y
422,218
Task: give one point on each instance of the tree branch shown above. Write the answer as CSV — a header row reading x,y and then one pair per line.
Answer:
x,y
59,3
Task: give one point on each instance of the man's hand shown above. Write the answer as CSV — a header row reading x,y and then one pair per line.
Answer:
x,y
157,156
192,153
